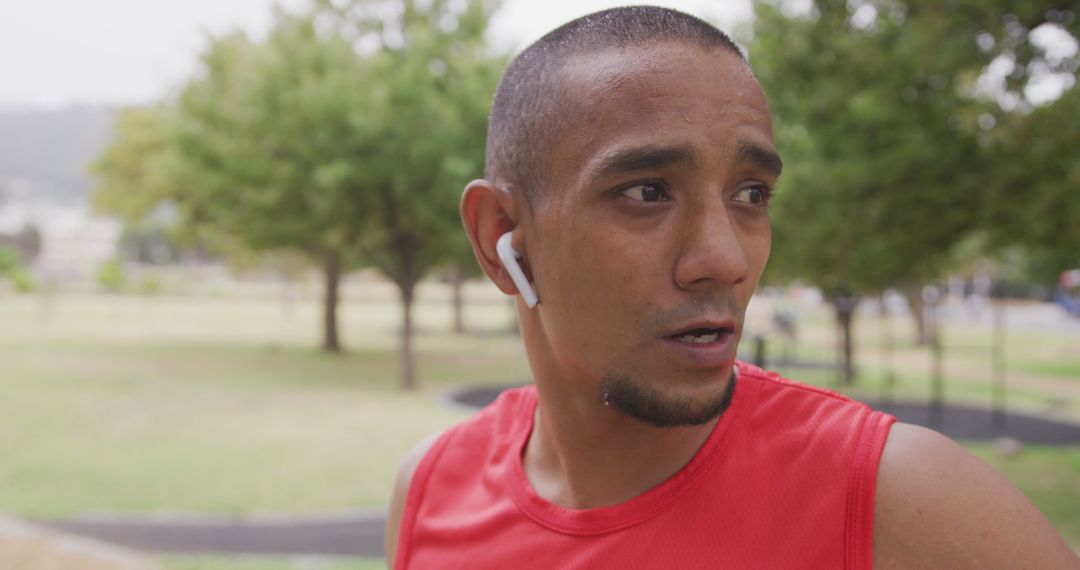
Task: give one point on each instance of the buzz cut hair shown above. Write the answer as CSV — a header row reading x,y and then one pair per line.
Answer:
x,y
528,111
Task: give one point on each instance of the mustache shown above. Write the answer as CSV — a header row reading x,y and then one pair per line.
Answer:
x,y
720,303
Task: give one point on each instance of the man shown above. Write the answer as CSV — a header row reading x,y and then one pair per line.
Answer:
x,y
630,157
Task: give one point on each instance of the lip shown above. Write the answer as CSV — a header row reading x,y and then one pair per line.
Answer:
x,y
707,354
705,323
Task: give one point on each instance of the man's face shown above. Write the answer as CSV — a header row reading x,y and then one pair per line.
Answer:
x,y
653,232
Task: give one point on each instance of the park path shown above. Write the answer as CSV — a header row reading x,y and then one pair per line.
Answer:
x,y
349,534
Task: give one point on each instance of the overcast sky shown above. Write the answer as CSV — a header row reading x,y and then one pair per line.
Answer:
x,y
55,53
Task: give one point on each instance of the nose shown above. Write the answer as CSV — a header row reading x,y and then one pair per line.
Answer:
x,y
712,253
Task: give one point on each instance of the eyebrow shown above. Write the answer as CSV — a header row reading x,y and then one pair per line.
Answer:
x,y
760,156
644,158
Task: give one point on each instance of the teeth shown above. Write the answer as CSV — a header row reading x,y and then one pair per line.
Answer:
x,y
700,339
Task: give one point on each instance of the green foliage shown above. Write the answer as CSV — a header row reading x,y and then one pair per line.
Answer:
x,y
347,136
274,138
137,171
897,148
889,136
149,285
11,266
436,80
436,77
1034,202
9,259
22,280
111,276
881,143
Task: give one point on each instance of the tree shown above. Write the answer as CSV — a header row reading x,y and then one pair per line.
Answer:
x,y
436,79
279,137
878,113
1034,206
348,134
137,171
460,266
264,150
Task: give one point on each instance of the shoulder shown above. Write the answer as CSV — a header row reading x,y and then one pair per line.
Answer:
x,y
817,411
402,482
469,436
939,506
774,385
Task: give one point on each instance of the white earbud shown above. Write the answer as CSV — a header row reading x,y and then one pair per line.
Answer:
x,y
509,259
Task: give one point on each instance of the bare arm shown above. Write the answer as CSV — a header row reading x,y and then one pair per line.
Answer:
x,y
939,506
401,493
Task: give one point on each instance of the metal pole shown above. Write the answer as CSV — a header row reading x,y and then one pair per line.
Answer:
x,y
888,387
937,381
1000,416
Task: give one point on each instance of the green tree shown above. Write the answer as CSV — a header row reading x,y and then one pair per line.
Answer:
x,y
137,171
1034,204
460,266
277,139
879,117
263,151
436,76
111,276
9,260
347,135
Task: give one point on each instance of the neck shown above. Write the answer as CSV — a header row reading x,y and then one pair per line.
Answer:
x,y
583,454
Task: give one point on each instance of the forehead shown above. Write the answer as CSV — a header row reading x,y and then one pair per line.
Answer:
x,y
666,93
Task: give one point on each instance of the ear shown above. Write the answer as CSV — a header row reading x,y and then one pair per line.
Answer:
x,y
488,213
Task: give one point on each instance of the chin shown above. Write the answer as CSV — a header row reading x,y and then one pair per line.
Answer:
x,y
668,406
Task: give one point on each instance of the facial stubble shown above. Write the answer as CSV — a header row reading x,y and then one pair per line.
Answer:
x,y
636,399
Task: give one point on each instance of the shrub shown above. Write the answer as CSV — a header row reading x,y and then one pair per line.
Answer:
x,y
111,276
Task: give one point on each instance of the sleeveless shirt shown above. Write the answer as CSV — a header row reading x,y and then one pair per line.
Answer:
x,y
785,480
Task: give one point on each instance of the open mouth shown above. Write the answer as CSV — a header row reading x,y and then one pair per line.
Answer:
x,y
701,335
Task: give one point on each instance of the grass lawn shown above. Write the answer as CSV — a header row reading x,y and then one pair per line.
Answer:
x,y
1049,476
1042,370
139,416
224,404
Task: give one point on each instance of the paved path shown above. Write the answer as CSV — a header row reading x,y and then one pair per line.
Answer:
x,y
359,534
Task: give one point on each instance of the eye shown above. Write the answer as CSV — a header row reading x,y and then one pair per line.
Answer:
x,y
647,192
754,195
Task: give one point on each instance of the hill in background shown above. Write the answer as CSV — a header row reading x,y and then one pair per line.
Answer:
x,y
45,154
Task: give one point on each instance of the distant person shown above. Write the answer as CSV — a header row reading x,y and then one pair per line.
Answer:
x,y
630,157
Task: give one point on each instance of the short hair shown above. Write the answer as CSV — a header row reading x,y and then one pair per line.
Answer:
x,y
527,115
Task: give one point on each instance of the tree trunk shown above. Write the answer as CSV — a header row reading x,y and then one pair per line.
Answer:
x,y
844,308
332,278
998,356
913,295
513,328
888,344
457,283
408,371
937,378
288,296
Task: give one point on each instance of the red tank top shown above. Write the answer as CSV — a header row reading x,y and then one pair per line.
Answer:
x,y
785,480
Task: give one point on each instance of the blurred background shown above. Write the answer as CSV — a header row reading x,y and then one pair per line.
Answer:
x,y
234,290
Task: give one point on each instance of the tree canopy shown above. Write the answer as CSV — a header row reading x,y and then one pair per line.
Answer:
x,y
346,135
888,128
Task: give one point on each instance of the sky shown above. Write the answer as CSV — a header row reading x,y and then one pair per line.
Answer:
x,y
59,53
